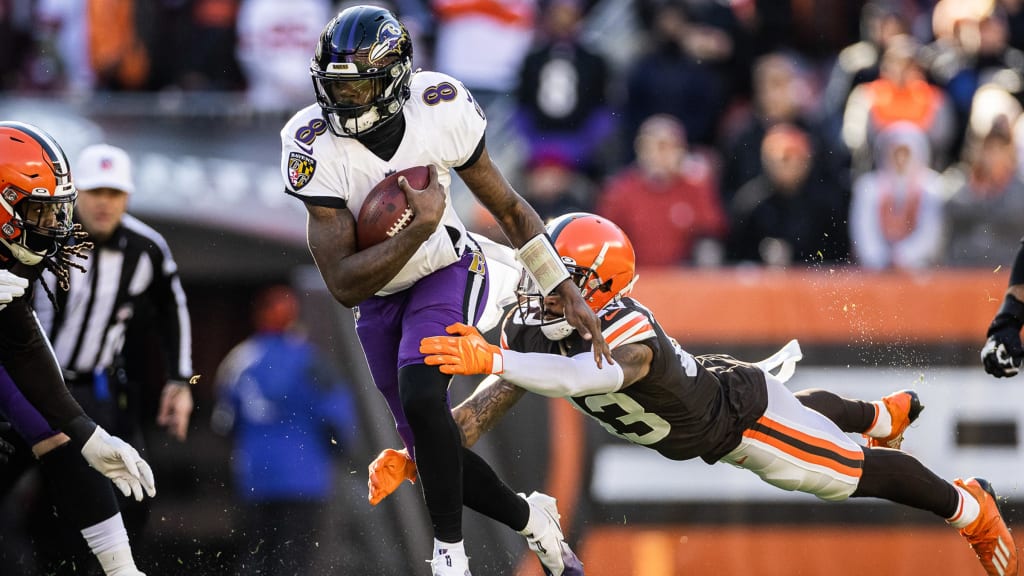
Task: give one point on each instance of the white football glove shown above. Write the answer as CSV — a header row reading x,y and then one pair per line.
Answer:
x,y
11,286
117,460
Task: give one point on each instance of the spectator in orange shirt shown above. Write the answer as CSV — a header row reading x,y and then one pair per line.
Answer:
x,y
901,94
667,201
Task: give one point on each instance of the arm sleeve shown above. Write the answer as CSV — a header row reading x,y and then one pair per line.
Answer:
x,y
560,376
28,358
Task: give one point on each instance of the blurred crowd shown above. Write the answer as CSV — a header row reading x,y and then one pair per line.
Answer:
x,y
881,134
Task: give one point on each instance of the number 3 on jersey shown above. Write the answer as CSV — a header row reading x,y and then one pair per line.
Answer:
x,y
627,419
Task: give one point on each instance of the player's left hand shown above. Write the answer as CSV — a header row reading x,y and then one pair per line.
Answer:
x,y
579,315
175,409
466,353
427,204
117,460
387,472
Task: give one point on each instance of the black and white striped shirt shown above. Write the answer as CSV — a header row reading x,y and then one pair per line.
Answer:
x,y
129,281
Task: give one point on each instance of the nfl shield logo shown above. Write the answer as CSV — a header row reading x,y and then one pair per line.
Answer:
x,y
300,169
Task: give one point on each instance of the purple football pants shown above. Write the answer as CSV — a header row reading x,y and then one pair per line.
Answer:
x,y
390,327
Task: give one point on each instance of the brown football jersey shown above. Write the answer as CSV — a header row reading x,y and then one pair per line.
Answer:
x,y
686,406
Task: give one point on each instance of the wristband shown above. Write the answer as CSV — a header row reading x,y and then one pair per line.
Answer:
x,y
543,263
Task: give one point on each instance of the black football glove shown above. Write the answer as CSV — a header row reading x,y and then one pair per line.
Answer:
x,y
1003,354
6,448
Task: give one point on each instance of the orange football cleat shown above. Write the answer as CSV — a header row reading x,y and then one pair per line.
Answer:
x,y
988,534
904,407
387,472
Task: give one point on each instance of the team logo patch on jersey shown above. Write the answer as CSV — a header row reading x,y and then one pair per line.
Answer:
x,y
300,169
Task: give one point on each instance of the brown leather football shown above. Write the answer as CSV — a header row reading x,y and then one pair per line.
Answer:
x,y
385,212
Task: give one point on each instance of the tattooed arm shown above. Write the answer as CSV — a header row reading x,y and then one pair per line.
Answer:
x,y
481,411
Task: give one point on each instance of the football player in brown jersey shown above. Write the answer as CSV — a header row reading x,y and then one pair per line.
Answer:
x,y
714,407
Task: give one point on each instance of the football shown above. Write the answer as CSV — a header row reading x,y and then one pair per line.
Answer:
x,y
385,212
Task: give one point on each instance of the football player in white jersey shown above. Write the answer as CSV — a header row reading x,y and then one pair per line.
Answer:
x,y
712,407
376,115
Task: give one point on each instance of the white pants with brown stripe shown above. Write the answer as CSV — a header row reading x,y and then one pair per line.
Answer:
x,y
795,448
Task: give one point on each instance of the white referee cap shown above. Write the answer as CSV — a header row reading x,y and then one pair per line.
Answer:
x,y
103,166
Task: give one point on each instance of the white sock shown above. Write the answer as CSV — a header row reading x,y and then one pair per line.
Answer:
x,y
966,512
454,549
882,427
108,541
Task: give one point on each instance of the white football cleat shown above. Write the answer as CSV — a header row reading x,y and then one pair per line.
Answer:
x,y
555,556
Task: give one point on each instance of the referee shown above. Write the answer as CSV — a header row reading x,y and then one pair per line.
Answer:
x,y
128,293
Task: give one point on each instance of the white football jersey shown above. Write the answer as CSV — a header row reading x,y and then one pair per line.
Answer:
x,y
444,125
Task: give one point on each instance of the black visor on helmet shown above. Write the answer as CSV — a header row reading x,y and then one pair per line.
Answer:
x,y
46,222
356,104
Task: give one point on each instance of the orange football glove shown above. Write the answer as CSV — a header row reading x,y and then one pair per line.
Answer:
x,y
467,353
387,472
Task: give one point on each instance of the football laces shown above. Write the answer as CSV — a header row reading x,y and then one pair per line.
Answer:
x,y
401,223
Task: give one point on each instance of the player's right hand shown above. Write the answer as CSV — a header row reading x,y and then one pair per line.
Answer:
x,y
428,204
117,460
11,286
387,472
466,353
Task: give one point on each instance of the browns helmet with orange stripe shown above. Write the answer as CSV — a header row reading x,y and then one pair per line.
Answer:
x,y
600,260
37,196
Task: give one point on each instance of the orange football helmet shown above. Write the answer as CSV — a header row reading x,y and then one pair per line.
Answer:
x,y
37,196
598,254
600,260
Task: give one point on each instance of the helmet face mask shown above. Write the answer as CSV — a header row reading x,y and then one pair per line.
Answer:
x,y
600,261
361,70
46,222
37,197
532,309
